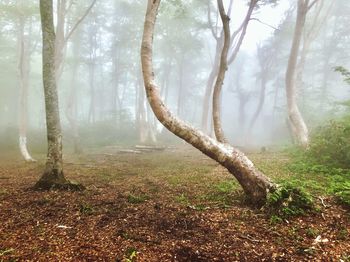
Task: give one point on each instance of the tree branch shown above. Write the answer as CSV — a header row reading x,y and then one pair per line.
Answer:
x,y
79,21
261,22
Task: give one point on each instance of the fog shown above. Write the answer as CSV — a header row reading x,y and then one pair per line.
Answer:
x,y
101,93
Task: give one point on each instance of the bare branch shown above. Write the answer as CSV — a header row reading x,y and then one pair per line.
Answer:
x,y
242,29
311,5
261,22
79,21
213,31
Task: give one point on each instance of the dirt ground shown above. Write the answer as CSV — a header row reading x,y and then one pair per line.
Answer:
x,y
172,205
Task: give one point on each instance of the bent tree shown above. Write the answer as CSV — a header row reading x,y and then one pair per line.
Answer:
x,y
254,183
53,175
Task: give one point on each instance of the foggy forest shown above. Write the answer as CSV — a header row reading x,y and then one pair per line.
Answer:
x,y
198,130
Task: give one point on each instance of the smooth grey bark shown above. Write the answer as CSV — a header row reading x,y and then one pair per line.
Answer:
x,y
297,123
53,175
219,133
255,184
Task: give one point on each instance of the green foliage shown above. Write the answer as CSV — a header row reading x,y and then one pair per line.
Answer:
x,y
344,72
330,144
341,189
289,201
130,254
182,199
137,199
86,209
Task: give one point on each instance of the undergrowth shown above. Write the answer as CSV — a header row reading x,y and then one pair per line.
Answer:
x,y
325,166
288,201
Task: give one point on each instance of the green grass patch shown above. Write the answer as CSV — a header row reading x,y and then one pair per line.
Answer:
x,y
137,198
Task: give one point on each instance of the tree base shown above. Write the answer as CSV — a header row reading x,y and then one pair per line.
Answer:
x,y
43,185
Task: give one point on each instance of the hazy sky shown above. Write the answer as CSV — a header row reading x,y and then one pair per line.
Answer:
x,y
257,31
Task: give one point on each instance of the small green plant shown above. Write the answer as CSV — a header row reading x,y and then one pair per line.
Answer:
x,y
182,199
343,234
342,191
86,209
137,199
287,201
274,219
312,232
130,254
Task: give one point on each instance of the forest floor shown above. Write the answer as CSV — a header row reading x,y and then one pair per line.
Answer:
x,y
172,205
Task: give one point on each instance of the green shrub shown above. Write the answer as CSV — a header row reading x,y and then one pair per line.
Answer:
x,y
289,201
330,144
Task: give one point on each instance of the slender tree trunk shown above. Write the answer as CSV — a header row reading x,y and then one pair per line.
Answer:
x,y
254,183
260,105
71,109
23,69
219,133
53,175
209,88
298,126
180,96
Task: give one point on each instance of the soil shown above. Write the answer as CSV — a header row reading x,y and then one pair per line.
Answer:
x,y
153,207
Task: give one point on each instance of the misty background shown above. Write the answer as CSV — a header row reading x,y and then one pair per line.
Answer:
x,y
101,92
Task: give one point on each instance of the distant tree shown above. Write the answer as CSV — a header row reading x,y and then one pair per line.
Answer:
x,y
297,124
53,176
255,184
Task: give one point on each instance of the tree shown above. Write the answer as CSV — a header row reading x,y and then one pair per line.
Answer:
x,y
53,175
235,42
219,133
297,124
255,184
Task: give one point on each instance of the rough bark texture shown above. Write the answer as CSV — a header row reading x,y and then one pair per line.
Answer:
x,y
254,183
298,126
219,133
53,175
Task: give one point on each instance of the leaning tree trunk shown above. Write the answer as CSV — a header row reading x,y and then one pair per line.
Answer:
x,y
298,126
53,175
255,184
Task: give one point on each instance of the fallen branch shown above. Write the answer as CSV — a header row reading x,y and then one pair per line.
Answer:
x,y
250,238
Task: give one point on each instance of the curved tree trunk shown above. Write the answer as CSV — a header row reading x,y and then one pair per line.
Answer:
x,y
219,133
298,126
255,184
53,175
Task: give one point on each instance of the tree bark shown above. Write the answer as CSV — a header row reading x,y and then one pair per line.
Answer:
x,y
298,126
53,175
255,184
219,133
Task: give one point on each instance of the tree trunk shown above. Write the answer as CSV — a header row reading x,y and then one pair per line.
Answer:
x,y
53,175
209,88
255,184
298,126
23,68
71,109
219,133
